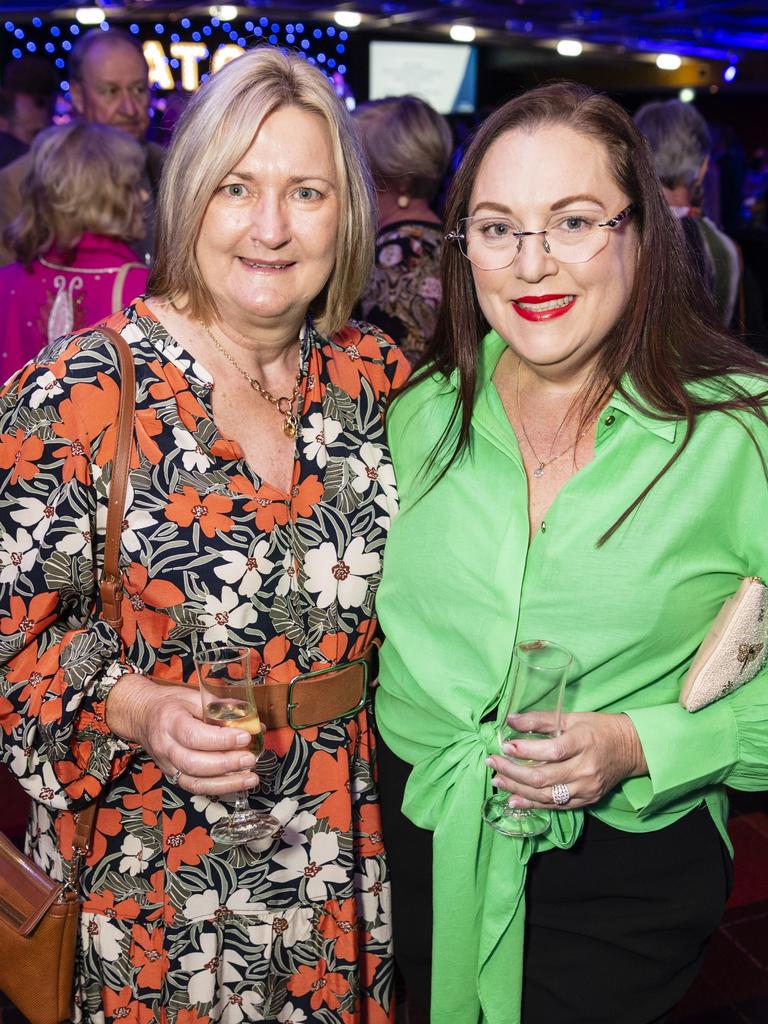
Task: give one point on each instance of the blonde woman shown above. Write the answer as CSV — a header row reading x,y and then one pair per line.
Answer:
x,y
260,499
82,206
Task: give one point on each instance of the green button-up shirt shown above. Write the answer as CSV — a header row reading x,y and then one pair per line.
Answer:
x,y
462,585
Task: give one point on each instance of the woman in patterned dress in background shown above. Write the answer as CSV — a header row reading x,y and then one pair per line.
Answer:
x,y
408,145
246,522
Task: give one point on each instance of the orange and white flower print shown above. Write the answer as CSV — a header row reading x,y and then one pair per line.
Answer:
x,y
295,927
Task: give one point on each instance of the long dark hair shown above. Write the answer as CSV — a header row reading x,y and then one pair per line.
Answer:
x,y
667,337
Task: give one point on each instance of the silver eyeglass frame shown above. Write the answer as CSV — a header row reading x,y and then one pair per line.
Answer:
x,y
459,236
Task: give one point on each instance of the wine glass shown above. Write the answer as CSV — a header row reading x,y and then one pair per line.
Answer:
x,y
227,693
539,673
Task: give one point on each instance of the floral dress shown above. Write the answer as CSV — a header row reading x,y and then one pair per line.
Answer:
x,y
403,293
294,928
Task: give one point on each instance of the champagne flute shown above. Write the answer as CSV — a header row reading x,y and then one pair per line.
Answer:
x,y
539,673
228,698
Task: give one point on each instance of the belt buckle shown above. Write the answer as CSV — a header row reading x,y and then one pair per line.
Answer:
x,y
322,672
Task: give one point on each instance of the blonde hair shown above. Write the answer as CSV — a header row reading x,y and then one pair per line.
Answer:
x,y
406,142
214,132
82,177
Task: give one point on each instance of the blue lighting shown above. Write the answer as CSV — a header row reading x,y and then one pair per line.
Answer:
x,y
273,40
196,37
340,48
263,22
226,27
331,30
289,28
59,62
258,31
16,53
249,26
175,38
36,22
19,33
159,28
299,27
275,27
74,30
185,22
56,31
233,35
9,26
65,86
134,29
730,73
104,26
66,45
331,62
174,62
290,38
206,30
343,36
241,41
317,33
305,44
215,22
31,47
321,58
342,69
49,47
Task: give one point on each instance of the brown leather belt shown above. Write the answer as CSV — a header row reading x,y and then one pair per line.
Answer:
x,y
314,698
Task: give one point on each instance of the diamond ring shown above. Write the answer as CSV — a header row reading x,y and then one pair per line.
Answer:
x,y
561,794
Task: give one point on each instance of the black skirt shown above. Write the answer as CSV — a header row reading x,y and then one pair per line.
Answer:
x,y
616,927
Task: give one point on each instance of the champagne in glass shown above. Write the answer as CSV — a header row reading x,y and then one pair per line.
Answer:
x,y
539,673
227,693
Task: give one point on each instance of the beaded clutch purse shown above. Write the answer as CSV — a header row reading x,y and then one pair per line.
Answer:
x,y
733,651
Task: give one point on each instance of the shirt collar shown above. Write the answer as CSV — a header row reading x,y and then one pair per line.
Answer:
x,y
622,400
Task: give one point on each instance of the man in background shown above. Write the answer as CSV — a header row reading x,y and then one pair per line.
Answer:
x,y
680,141
109,83
26,104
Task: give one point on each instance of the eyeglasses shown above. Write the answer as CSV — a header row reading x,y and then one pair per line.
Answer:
x,y
492,243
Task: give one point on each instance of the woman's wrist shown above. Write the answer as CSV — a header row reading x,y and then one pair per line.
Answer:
x,y
636,762
127,704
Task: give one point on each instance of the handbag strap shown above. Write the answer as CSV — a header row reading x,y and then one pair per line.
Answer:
x,y
111,582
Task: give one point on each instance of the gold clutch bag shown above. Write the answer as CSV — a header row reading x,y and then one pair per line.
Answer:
x,y
733,651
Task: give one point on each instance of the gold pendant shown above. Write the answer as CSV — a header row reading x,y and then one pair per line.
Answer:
x,y
289,426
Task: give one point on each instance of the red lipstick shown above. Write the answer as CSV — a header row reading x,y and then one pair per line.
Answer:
x,y
556,305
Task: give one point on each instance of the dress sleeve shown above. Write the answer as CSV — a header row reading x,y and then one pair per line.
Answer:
x,y
58,660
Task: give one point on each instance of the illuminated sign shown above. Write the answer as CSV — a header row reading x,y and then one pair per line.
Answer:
x,y
189,56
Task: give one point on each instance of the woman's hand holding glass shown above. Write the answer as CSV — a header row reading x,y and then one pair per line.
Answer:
x,y
166,721
593,753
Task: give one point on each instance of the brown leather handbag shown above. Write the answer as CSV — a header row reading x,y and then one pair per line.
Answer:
x,y
39,918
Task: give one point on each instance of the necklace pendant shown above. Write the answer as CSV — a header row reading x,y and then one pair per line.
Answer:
x,y
290,426
539,471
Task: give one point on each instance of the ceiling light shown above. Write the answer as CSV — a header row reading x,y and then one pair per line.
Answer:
x,y
462,33
687,95
668,61
569,48
224,12
90,15
730,73
347,19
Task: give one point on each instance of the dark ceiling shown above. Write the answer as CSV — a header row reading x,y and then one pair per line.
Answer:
x,y
719,29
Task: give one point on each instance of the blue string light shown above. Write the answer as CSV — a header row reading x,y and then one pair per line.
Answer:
x,y
196,37
74,30
19,33
185,23
16,53
133,29
31,47
66,45
37,22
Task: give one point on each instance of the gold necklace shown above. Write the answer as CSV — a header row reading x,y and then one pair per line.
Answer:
x,y
543,463
283,404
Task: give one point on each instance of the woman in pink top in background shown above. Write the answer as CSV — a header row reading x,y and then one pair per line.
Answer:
x,y
82,205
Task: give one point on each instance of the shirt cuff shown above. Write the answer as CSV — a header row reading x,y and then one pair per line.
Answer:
x,y
684,752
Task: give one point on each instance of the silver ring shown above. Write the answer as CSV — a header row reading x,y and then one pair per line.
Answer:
x,y
174,779
561,794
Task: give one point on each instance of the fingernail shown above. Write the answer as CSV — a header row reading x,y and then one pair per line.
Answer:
x,y
514,802
489,762
251,780
247,761
509,747
243,739
495,780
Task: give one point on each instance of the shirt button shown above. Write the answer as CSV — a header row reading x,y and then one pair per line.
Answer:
x,y
609,421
